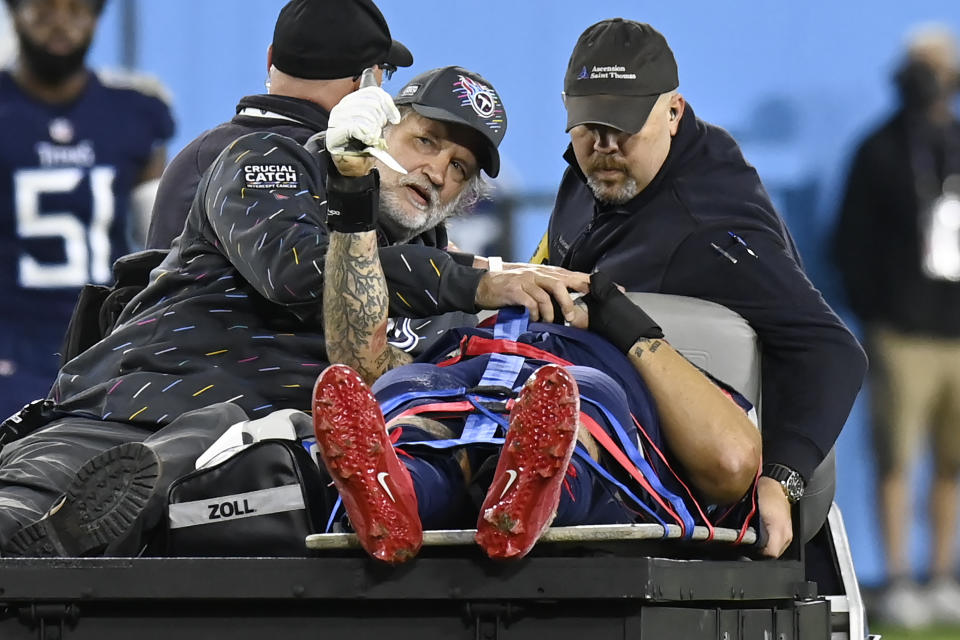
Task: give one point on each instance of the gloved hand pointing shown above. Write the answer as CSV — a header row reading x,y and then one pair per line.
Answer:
x,y
361,116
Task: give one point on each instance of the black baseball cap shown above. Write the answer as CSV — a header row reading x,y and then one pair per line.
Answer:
x,y
454,94
616,72
326,39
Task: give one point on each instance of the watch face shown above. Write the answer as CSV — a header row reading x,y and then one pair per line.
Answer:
x,y
794,486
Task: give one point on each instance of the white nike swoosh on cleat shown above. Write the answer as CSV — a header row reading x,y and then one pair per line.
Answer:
x,y
513,478
381,478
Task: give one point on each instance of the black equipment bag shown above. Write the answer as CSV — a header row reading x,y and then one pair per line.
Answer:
x,y
99,306
262,501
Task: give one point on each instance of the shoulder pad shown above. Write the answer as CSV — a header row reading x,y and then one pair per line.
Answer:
x,y
143,83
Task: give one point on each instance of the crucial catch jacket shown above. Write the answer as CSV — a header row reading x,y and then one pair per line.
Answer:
x,y
234,312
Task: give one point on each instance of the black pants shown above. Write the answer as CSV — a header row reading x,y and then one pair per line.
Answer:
x,y
36,470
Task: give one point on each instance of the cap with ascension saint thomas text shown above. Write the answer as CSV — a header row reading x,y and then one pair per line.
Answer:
x,y
616,72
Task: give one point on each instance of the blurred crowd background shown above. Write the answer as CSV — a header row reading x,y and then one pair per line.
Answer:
x,y
797,84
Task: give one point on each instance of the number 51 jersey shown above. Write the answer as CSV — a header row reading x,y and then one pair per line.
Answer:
x,y
66,173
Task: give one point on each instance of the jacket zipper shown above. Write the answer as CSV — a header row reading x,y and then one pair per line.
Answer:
x,y
587,230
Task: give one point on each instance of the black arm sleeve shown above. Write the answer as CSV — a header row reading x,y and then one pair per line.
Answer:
x,y
812,366
465,259
426,281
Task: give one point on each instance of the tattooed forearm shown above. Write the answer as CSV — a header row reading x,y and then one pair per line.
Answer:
x,y
644,345
355,306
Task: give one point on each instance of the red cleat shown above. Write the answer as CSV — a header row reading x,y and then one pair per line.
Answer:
x,y
375,486
522,500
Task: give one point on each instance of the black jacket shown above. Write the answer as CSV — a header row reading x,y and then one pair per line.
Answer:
x,y
290,117
234,313
897,172
680,236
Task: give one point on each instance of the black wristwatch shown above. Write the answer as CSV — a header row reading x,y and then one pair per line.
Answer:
x,y
791,481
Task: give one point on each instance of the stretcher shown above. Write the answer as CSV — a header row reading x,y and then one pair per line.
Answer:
x,y
640,581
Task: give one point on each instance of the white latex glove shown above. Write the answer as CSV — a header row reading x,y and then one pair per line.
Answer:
x,y
361,116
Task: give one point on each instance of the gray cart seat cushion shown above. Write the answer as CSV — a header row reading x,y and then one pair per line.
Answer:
x,y
719,341
710,336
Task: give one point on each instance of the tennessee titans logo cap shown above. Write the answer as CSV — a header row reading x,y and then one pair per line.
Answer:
x,y
456,95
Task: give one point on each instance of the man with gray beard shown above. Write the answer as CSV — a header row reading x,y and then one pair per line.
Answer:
x,y
409,223
433,107
664,202
413,204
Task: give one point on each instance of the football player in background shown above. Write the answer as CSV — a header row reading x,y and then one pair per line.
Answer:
x,y
79,155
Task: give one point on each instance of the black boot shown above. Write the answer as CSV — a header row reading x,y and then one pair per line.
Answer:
x,y
103,506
